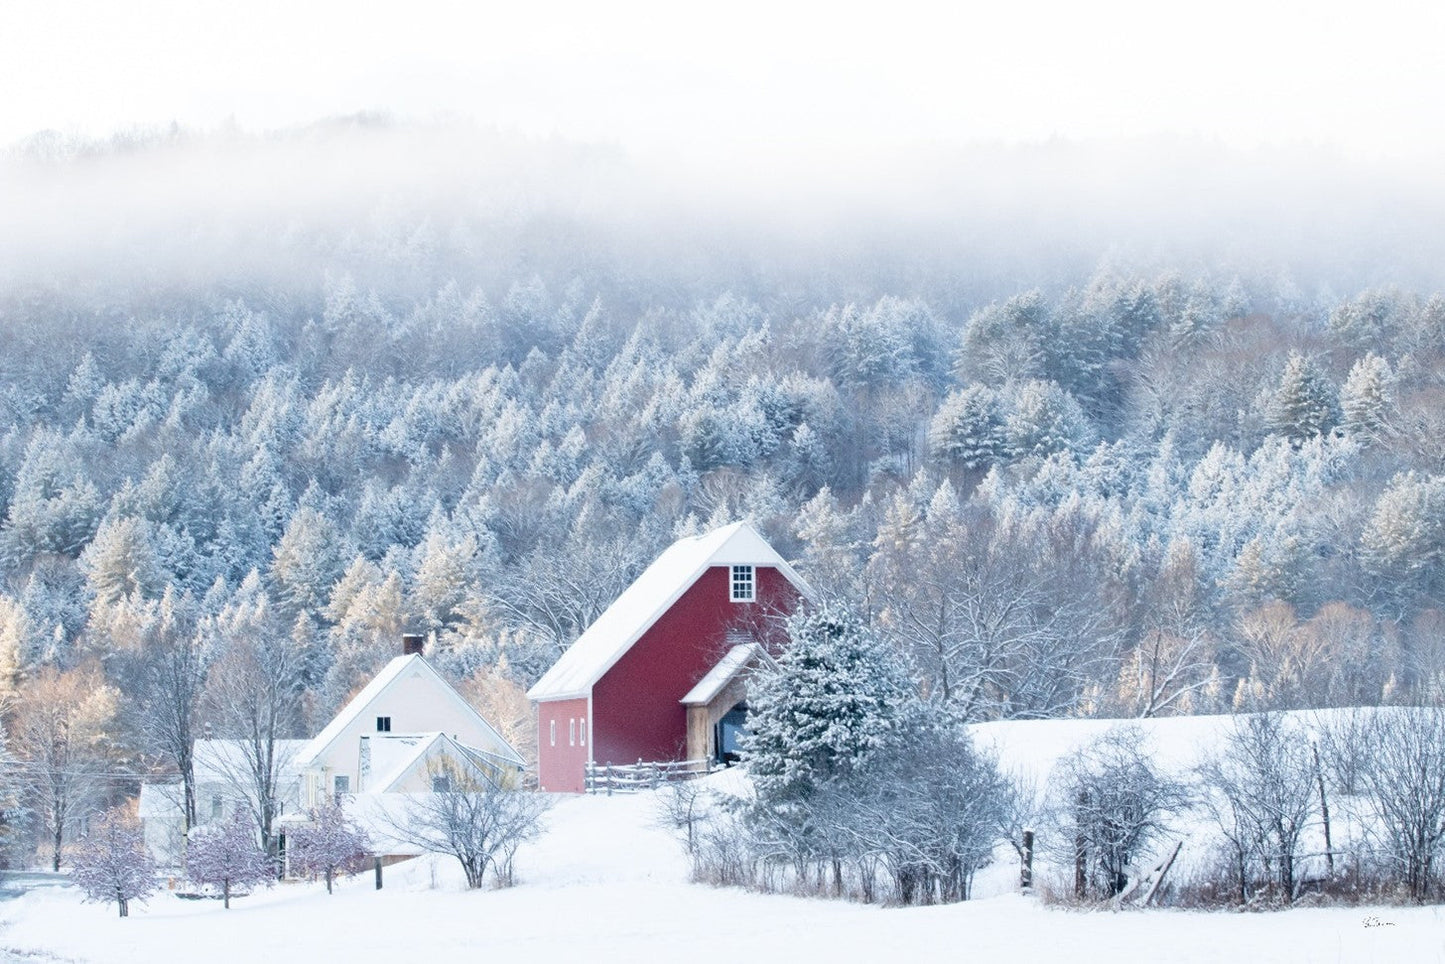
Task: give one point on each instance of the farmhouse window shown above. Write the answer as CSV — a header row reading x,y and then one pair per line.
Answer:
x,y
441,783
340,787
744,586
383,724
216,806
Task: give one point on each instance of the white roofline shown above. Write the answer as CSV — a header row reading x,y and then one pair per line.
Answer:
x,y
379,684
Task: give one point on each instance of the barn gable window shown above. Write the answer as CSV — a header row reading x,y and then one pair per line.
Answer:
x,y
744,586
383,724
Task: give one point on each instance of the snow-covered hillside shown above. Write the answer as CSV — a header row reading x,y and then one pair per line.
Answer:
x,y
607,883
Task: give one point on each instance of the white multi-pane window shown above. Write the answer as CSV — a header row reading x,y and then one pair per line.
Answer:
x,y
744,584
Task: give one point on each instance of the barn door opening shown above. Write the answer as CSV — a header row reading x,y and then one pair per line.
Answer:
x,y
730,730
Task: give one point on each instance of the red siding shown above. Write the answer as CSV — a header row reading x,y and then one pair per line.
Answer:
x,y
635,708
561,763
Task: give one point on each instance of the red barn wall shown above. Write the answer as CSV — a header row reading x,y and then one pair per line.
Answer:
x,y
635,708
561,762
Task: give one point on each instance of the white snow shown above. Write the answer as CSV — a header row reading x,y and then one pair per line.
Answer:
x,y
607,883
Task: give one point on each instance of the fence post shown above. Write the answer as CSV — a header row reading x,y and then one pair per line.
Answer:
x,y
609,778
1026,870
378,872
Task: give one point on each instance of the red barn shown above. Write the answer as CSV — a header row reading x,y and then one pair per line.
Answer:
x,y
657,676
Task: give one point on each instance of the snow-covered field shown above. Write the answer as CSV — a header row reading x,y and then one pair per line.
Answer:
x,y
605,883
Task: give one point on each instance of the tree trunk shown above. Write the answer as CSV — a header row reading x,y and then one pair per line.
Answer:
x,y
55,855
1324,811
328,880
226,893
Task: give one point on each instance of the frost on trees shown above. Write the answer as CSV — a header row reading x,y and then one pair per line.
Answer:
x,y
1304,403
835,700
228,856
111,862
331,844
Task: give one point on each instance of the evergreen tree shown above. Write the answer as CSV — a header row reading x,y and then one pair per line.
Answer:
x,y
1304,402
1367,399
968,429
837,698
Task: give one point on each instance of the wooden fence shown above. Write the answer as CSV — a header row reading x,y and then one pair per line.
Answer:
x,y
610,778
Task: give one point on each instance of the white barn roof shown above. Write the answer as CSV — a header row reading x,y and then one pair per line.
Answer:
x,y
640,605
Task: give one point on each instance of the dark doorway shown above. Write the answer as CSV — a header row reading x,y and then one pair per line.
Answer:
x,y
730,730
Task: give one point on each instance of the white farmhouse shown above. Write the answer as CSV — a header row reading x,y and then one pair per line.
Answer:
x,y
407,731
392,734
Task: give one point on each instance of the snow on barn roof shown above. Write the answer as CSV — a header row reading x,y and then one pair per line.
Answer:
x,y
389,674
640,605
727,668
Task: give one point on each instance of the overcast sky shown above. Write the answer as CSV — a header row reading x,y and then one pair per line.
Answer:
x,y
748,83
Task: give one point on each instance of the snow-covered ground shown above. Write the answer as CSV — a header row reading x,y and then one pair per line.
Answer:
x,y
606,883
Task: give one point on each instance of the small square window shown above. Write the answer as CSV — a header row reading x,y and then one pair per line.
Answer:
x,y
383,724
744,587
441,783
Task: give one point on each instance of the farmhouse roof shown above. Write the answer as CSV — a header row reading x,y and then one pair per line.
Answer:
x,y
416,750
361,702
643,602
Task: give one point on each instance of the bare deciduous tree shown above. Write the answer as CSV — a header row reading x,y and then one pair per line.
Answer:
x,y
112,863
1112,803
1404,777
475,821
1260,790
175,669
59,733
252,699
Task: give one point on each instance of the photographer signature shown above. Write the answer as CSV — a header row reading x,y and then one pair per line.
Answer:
x,y
1373,921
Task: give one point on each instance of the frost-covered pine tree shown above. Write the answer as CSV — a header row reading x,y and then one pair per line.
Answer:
x,y
968,428
838,696
1304,403
332,844
228,855
111,862
1367,397
1044,420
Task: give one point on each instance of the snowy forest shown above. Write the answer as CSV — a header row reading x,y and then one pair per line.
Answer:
x,y
260,444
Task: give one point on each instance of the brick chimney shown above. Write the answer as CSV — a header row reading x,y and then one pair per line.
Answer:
x,y
412,643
